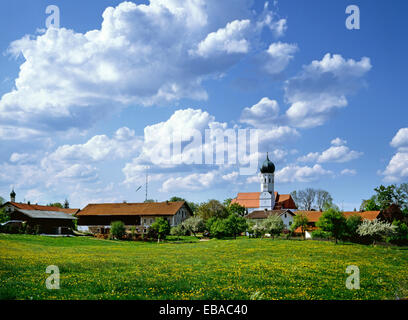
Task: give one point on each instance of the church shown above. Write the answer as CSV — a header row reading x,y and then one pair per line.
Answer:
x,y
267,202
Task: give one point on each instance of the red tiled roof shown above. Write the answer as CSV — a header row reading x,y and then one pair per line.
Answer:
x,y
263,214
309,228
368,215
247,199
313,216
130,209
26,206
251,200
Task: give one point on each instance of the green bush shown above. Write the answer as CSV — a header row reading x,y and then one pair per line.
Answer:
x,y
320,234
179,231
235,225
219,228
401,233
117,230
161,228
334,222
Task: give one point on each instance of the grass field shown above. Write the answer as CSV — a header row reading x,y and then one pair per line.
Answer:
x,y
216,269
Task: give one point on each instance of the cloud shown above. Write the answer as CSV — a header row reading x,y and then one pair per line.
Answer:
x,y
321,88
400,139
397,168
278,56
348,172
270,19
191,182
338,152
230,39
124,143
294,173
141,55
338,142
261,114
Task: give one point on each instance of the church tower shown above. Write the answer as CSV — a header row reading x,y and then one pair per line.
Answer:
x,y
267,197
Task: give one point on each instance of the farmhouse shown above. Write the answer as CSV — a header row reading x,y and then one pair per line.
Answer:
x,y
285,214
44,219
314,216
96,218
268,201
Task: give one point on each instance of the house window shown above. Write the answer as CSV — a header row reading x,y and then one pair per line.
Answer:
x,y
151,221
286,215
144,220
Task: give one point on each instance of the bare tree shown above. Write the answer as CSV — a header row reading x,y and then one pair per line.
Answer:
x,y
323,199
307,198
310,198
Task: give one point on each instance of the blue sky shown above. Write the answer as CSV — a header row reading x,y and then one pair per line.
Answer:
x,y
78,107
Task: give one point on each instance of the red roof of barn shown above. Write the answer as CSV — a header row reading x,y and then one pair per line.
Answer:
x,y
26,206
136,209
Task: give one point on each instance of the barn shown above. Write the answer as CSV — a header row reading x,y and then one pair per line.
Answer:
x,y
96,218
42,219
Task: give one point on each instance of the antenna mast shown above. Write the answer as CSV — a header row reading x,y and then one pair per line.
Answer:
x,y
147,180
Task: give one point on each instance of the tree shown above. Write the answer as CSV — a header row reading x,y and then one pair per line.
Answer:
x,y
236,208
117,229
227,202
66,204
370,204
56,204
400,237
178,231
194,225
301,221
309,199
258,229
193,206
273,225
4,215
352,224
2,201
323,199
334,222
388,195
150,201
176,199
212,208
162,228
219,228
376,229
235,225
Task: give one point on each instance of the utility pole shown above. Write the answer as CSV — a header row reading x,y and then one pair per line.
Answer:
x,y
147,180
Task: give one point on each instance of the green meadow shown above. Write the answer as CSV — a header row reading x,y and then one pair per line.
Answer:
x,y
216,269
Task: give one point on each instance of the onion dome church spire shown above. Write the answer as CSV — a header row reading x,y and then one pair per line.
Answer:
x,y
13,196
267,166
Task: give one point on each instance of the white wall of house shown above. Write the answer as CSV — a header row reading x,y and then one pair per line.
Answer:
x,y
287,219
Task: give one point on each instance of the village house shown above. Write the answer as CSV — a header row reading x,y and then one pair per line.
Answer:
x,y
314,216
260,205
44,219
285,214
96,218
